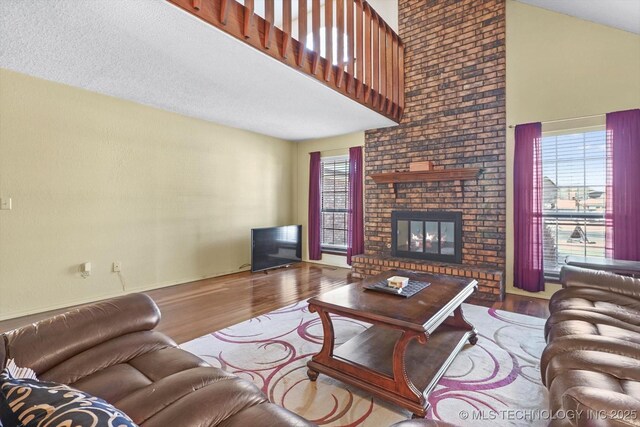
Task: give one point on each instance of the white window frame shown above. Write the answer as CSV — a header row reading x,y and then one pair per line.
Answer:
x,y
582,218
330,247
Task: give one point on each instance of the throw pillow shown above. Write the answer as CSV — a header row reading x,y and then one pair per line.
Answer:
x,y
31,403
17,372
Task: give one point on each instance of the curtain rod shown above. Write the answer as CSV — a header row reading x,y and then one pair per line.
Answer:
x,y
568,119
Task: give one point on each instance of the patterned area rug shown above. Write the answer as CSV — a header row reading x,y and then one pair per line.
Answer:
x,y
500,373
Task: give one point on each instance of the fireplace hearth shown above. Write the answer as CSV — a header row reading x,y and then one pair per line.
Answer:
x,y
432,236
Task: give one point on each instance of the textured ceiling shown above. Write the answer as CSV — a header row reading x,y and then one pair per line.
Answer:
x,y
153,53
622,14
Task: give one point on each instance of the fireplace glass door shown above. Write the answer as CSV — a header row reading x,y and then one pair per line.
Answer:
x,y
447,238
427,235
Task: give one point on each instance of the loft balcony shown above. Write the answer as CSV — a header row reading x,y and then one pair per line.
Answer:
x,y
344,44
286,68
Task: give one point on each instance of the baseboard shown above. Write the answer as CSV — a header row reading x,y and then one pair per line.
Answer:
x,y
81,301
330,262
550,289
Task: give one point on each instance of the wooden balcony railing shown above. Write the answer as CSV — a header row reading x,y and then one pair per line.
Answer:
x,y
365,63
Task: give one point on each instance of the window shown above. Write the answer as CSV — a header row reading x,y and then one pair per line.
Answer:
x,y
573,194
334,188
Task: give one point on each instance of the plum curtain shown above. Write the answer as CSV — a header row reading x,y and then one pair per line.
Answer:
x,y
315,248
527,172
623,189
355,228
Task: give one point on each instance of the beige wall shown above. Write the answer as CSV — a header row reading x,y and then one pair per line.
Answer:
x,y
98,179
562,67
336,146
387,9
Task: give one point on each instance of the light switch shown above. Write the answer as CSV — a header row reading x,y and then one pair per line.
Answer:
x,y
5,203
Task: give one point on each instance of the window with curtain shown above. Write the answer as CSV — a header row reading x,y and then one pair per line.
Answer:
x,y
334,190
574,169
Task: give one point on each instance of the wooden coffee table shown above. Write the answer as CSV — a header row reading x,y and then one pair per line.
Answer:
x,y
411,344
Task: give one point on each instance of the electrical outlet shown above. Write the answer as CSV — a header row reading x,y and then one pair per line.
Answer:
x,y
5,203
117,266
85,269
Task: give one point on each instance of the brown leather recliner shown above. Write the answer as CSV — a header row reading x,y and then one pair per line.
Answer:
x,y
109,349
592,360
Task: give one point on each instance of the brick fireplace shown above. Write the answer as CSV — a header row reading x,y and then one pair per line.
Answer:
x,y
455,116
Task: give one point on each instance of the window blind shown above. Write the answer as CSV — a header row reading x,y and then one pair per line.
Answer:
x,y
334,202
573,194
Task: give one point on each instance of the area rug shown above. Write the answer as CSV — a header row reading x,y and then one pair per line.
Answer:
x,y
495,382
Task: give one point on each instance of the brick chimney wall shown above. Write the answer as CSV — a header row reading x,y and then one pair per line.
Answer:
x,y
455,116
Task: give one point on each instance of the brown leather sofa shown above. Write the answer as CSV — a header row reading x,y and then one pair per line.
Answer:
x,y
109,349
592,359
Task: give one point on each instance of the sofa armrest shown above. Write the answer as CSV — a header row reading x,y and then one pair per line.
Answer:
x,y
582,277
600,407
575,343
45,344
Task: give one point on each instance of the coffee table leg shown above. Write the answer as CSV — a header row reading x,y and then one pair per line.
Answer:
x,y
326,353
418,416
473,338
404,385
458,320
313,375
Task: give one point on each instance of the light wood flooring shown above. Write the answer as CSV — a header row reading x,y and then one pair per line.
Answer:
x,y
194,309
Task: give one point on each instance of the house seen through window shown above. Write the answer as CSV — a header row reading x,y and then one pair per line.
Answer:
x,y
335,202
574,185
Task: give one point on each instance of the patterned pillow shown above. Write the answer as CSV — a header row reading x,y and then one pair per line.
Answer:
x,y
17,372
31,403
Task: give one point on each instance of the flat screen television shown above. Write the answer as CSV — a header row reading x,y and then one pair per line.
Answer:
x,y
273,247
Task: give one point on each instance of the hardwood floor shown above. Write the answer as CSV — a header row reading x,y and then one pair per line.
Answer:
x,y
194,309
536,307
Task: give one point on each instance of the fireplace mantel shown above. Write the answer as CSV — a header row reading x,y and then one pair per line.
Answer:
x,y
454,174
457,174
